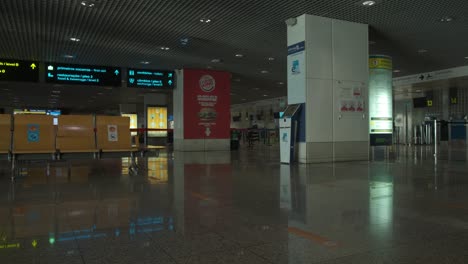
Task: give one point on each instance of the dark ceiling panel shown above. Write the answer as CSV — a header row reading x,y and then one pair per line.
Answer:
x,y
124,33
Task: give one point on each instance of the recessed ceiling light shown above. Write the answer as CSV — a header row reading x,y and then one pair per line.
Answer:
x,y
368,3
89,4
216,60
145,62
205,20
68,56
239,55
165,48
264,71
280,83
75,39
265,95
422,50
446,19
396,71
256,88
271,59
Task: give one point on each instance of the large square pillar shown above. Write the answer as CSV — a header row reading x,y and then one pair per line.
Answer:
x,y
202,115
328,73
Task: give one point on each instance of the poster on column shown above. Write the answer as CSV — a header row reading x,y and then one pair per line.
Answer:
x,y
297,73
351,98
206,104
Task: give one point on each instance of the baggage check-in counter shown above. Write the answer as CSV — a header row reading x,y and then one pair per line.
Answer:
x,y
288,133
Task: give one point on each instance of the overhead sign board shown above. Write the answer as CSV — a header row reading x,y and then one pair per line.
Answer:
x,y
83,74
150,78
19,71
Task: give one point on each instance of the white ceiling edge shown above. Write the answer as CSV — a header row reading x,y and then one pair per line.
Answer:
x,y
431,76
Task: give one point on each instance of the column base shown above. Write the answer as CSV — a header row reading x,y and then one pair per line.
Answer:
x,y
321,152
202,144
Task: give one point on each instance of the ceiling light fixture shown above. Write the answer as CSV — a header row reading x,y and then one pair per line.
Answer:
x,y
264,71
89,4
280,83
265,95
216,60
205,20
256,88
145,62
75,39
165,48
68,56
368,3
446,19
239,55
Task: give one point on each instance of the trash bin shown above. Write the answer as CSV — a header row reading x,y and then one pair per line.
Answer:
x,y
234,139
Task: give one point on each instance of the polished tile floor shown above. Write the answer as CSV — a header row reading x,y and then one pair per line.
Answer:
x,y
239,207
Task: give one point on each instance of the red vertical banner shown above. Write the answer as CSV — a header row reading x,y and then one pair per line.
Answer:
x,y
207,103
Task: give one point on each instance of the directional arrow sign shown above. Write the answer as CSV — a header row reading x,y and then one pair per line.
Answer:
x,y
116,72
34,243
207,131
33,66
170,82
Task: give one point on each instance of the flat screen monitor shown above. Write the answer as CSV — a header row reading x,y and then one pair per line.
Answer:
x,y
291,110
420,102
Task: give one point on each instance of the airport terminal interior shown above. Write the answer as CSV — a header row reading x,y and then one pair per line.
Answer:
x,y
214,131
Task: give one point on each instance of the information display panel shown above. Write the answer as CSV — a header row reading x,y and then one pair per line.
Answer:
x,y
150,78
19,71
157,119
83,74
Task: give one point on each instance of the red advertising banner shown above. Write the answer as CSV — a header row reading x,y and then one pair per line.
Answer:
x,y
207,103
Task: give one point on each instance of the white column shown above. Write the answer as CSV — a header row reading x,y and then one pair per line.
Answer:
x,y
331,71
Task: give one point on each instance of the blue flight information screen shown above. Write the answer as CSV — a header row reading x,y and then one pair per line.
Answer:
x,y
83,74
150,78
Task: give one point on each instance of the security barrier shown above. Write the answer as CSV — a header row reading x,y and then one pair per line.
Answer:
x,y
5,134
113,133
33,134
75,134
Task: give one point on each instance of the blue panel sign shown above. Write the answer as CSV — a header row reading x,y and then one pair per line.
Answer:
x,y
150,78
33,133
296,48
83,74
